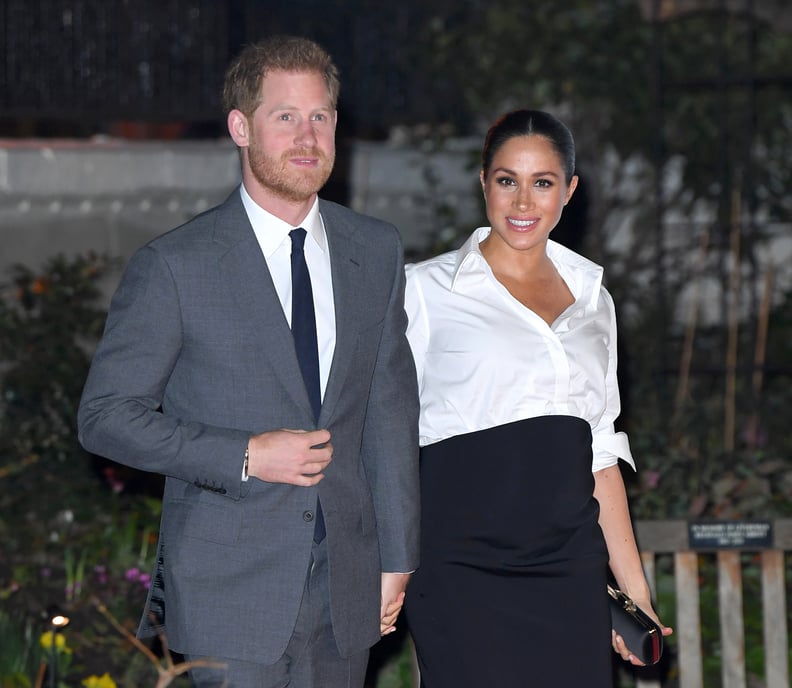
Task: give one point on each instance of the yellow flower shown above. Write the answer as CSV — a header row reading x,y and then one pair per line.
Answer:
x,y
60,642
103,681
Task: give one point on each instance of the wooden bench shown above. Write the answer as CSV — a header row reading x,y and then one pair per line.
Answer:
x,y
672,537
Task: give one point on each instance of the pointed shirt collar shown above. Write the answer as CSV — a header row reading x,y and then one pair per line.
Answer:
x,y
271,231
583,277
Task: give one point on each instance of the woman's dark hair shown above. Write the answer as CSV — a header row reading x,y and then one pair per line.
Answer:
x,y
530,123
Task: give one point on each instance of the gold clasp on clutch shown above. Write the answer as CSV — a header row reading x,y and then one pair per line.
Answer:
x,y
622,599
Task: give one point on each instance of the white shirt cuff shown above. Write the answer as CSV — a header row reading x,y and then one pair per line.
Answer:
x,y
609,448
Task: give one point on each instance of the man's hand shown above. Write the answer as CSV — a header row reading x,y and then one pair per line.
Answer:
x,y
393,591
296,457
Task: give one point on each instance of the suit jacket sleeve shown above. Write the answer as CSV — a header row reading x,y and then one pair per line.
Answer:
x,y
120,414
390,437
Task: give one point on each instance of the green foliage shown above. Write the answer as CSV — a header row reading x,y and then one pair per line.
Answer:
x,y
19,653
708,86
391,663
46,321
105,554
533,53
689,467
70,527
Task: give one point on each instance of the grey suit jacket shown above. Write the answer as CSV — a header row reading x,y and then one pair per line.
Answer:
x,y
196,357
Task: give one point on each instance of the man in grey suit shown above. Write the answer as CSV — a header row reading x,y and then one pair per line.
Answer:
x,y
287,539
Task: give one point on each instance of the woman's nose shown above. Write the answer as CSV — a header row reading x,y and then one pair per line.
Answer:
x,y
523,199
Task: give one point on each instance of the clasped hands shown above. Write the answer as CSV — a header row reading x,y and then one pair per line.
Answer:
x,y
295,457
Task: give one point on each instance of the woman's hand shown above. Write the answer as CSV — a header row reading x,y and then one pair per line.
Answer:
x,y
618,642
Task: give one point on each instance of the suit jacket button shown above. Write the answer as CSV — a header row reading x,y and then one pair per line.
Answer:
x,y
308,516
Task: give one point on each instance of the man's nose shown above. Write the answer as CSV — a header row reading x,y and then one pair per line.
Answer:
x,y
305,136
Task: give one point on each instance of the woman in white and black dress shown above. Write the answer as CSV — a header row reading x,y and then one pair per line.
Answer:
x,y
523,503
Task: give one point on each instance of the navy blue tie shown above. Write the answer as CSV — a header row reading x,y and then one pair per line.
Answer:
x,y
305,344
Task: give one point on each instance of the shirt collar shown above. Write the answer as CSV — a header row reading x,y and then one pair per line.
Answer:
x,y
583,277
271,231
469,258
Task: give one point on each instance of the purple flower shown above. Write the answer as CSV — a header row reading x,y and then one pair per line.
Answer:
x,y
651,479
116,484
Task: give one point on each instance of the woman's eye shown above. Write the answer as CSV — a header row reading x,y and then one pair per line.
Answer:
x,y
544,183
505,181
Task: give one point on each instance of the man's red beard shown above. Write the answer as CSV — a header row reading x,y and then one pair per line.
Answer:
x,y
286,180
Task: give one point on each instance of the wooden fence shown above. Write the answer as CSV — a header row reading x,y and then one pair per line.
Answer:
x,y
725,542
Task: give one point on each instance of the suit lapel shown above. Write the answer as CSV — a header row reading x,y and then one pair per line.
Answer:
x,y
252,288
346,263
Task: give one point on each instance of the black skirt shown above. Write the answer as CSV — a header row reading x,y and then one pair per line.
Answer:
x,y
510,591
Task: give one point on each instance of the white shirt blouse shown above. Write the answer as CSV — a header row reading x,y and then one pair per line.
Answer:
x,y
484,359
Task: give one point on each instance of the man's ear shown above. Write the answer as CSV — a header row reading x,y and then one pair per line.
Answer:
x,y
238,128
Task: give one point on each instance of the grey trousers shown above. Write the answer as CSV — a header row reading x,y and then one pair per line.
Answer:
x,y
311,659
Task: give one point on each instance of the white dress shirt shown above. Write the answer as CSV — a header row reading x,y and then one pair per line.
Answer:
x,y
484,359
273,238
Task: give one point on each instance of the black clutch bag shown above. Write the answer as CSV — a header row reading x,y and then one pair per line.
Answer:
x,y
640,632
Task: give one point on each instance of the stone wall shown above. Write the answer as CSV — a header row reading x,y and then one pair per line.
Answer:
x,y
112,196
108,196
429,193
